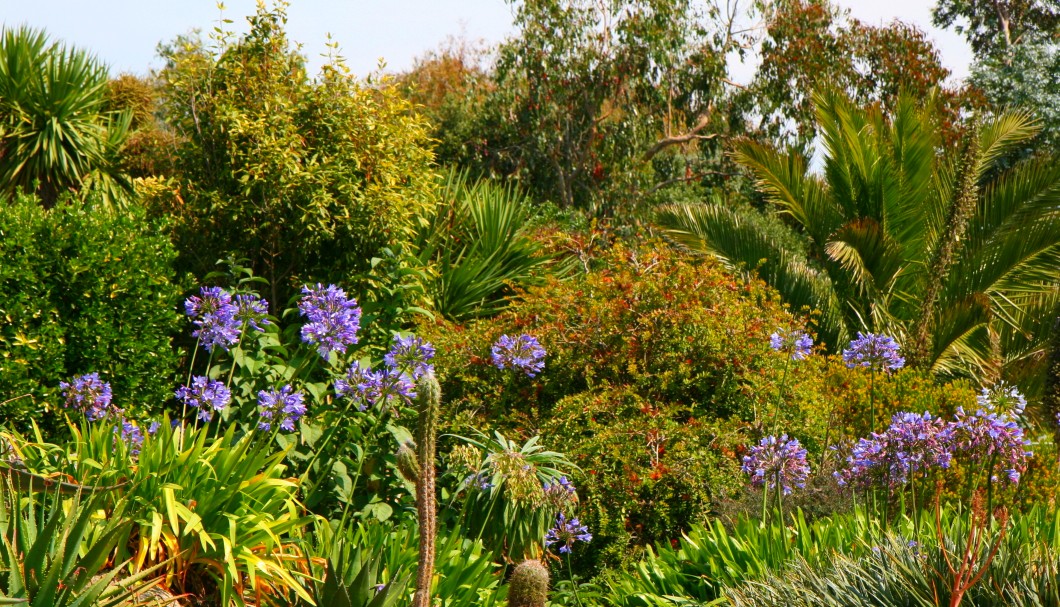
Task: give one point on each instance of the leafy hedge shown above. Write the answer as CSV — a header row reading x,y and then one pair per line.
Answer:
x,y
82,291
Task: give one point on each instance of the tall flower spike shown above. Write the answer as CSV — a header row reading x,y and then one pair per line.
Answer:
x,y
772,462
333,319
88,394
876,352
523,353
214,315
798,343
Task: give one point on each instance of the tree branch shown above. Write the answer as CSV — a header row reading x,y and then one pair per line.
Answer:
x,y
679,139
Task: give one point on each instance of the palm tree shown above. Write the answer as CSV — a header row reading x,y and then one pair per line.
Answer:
x,y
55,134
954,251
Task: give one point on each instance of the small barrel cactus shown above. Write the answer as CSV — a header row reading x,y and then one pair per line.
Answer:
x,y
529,585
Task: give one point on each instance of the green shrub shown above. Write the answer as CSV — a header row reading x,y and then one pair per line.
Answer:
x,y
83,291
659,373
309,179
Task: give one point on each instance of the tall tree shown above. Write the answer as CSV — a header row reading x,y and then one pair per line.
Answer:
x,y
997,27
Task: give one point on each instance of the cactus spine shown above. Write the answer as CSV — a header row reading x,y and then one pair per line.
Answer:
x,y
529,585
428,400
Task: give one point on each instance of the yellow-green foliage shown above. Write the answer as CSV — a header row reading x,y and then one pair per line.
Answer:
x,y
307,178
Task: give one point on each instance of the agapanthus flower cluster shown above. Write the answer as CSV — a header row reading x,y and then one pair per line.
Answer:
x,y
130,435
204,395
774,462
560,493
876,352
798,343
283,407
993,439
214,315
1002,398
88,394
252,312
522,353
481,481
333,319
912,443
566,532
408,360
410,355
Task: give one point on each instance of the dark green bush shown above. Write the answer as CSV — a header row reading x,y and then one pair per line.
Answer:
x,y
82,291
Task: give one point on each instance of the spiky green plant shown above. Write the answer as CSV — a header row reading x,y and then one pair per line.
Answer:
x,y
479,241
894,212
428,401
55,132
56,551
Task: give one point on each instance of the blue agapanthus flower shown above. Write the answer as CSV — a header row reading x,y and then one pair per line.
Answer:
x,y
88,394
283,407
912,443
777,462
214,315
410,355
204,395
566,532
798,343
523,353
366,387
252,312
131,435
876,352
333,318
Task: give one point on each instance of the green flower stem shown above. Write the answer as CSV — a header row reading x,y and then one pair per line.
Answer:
x,y
574,584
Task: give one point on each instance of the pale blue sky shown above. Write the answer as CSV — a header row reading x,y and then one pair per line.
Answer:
x,y
124,33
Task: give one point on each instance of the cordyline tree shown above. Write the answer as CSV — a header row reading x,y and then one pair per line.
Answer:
x,y
951,249
308,179
57,133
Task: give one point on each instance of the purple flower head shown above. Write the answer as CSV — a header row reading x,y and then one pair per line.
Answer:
x,y
214,316
283,407
912,443
204,395
481,481
410,355
992,439
88,394
1002,398
877,352
775,462
523,353
798,343
566,532
562,486
333,319
367,388
252,312
153,428
130,435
